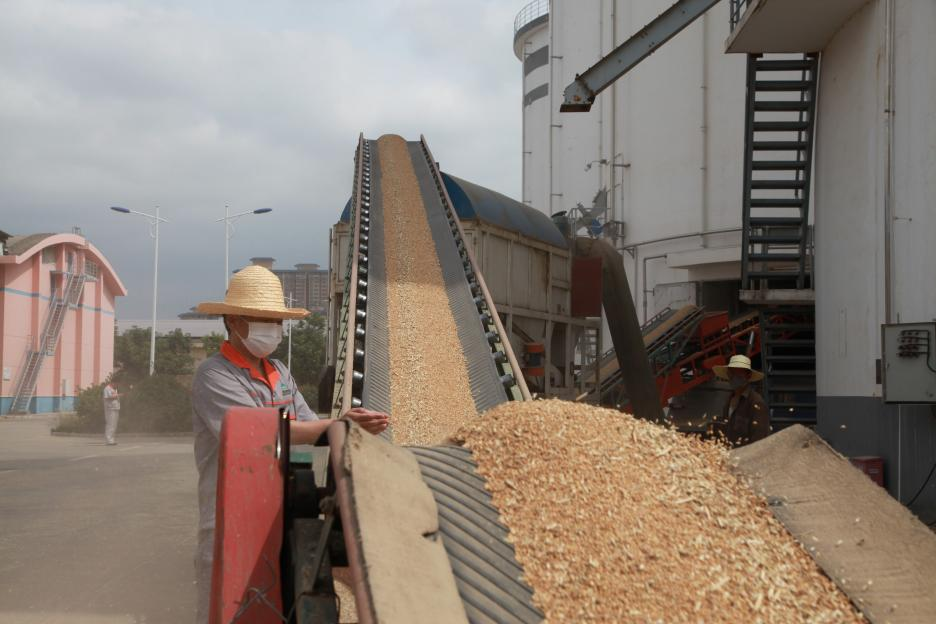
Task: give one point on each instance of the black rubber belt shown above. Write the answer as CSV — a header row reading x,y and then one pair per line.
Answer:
x,y
376,392
487,574
486,388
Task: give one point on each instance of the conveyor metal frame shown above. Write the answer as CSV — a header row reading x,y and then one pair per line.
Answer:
x,y
580,94
350,375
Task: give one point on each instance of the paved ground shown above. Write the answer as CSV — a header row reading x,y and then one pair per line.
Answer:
x,y
95,534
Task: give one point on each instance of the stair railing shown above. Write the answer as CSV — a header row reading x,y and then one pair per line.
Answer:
x,y
736,10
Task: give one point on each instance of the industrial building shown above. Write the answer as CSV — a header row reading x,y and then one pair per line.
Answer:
x,y
57,301
773,157
306,285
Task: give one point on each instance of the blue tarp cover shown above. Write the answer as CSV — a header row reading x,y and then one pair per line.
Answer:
x,y
476,202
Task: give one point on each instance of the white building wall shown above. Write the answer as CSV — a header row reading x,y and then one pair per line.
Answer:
x,y
875,180
670,132
536,119
856,281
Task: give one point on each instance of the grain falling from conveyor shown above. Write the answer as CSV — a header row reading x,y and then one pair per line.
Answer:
x,y
429,391
615,519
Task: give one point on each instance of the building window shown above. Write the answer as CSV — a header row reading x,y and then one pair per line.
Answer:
x,y
48,255
91,269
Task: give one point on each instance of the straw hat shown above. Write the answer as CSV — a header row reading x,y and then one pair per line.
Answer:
x,y
253,291
737,361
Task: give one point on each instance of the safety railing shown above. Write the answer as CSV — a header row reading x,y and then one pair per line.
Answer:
x,y
736,11
530,12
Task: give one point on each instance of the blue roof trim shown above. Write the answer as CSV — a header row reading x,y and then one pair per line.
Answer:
x,y
476,202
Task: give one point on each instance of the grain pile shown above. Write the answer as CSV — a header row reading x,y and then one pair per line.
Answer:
x,y
616,519
429,391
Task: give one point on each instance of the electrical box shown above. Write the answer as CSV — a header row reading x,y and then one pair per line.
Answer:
x,y
909,362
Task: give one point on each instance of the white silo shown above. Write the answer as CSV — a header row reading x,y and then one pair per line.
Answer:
x,y
665,142
531,46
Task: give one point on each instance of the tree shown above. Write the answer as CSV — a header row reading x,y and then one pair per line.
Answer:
x,y
308,353
212,343
173,353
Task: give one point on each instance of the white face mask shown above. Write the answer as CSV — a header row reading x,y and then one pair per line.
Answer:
x,y
262,338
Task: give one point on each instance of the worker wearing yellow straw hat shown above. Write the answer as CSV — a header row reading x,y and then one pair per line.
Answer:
x,y
745,417
242,375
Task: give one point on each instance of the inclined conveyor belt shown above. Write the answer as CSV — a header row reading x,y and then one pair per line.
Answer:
x,y
492,372
486,572
487,575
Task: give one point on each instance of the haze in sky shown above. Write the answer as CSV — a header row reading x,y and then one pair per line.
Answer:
x,y
191,105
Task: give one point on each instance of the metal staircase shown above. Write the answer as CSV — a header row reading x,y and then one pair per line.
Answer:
x,y
781,105
69,295
788,342
776,267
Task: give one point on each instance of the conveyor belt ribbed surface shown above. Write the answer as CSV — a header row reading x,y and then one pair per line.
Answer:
x,y
486,388
376,391
487,575
486,571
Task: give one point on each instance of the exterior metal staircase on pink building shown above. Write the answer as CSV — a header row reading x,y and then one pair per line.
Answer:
x,y
68,297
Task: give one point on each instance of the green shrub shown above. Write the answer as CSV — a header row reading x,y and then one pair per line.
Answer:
x,y
89,412
156,404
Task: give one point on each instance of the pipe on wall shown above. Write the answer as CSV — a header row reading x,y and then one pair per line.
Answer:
x,y
889,36
704,129
614,88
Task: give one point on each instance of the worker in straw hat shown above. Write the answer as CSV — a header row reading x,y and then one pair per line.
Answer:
x,y
242,375
745,418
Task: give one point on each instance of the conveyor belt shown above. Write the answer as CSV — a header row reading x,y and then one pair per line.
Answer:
x,y
493,374
487,574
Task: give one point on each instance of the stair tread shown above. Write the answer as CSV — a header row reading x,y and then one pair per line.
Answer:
x,y
770,202
776,239
772,274
782,105
783,64
778,184
779,146
783,85
780,126
778,257
777,165
788,221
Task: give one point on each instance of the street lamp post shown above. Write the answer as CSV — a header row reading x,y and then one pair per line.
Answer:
x,y
289,326
229,232
154,221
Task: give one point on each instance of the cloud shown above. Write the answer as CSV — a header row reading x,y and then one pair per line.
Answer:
x,y
192,107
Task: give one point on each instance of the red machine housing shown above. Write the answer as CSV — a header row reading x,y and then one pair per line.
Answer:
x,y
245,582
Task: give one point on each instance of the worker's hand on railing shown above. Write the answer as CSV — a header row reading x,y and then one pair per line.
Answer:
x,y
372,422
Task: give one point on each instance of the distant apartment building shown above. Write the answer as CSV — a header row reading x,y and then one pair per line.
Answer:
x,y
57,299
307,284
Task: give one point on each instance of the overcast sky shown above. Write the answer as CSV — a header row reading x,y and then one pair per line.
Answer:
x,y
193,104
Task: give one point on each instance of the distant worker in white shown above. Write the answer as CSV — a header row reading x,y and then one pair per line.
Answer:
x,y
241,375
111,412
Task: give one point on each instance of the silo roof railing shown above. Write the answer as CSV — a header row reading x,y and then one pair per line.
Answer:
x,y
736,10
529,13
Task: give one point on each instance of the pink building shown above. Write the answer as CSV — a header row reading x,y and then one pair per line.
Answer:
x,y
57,295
